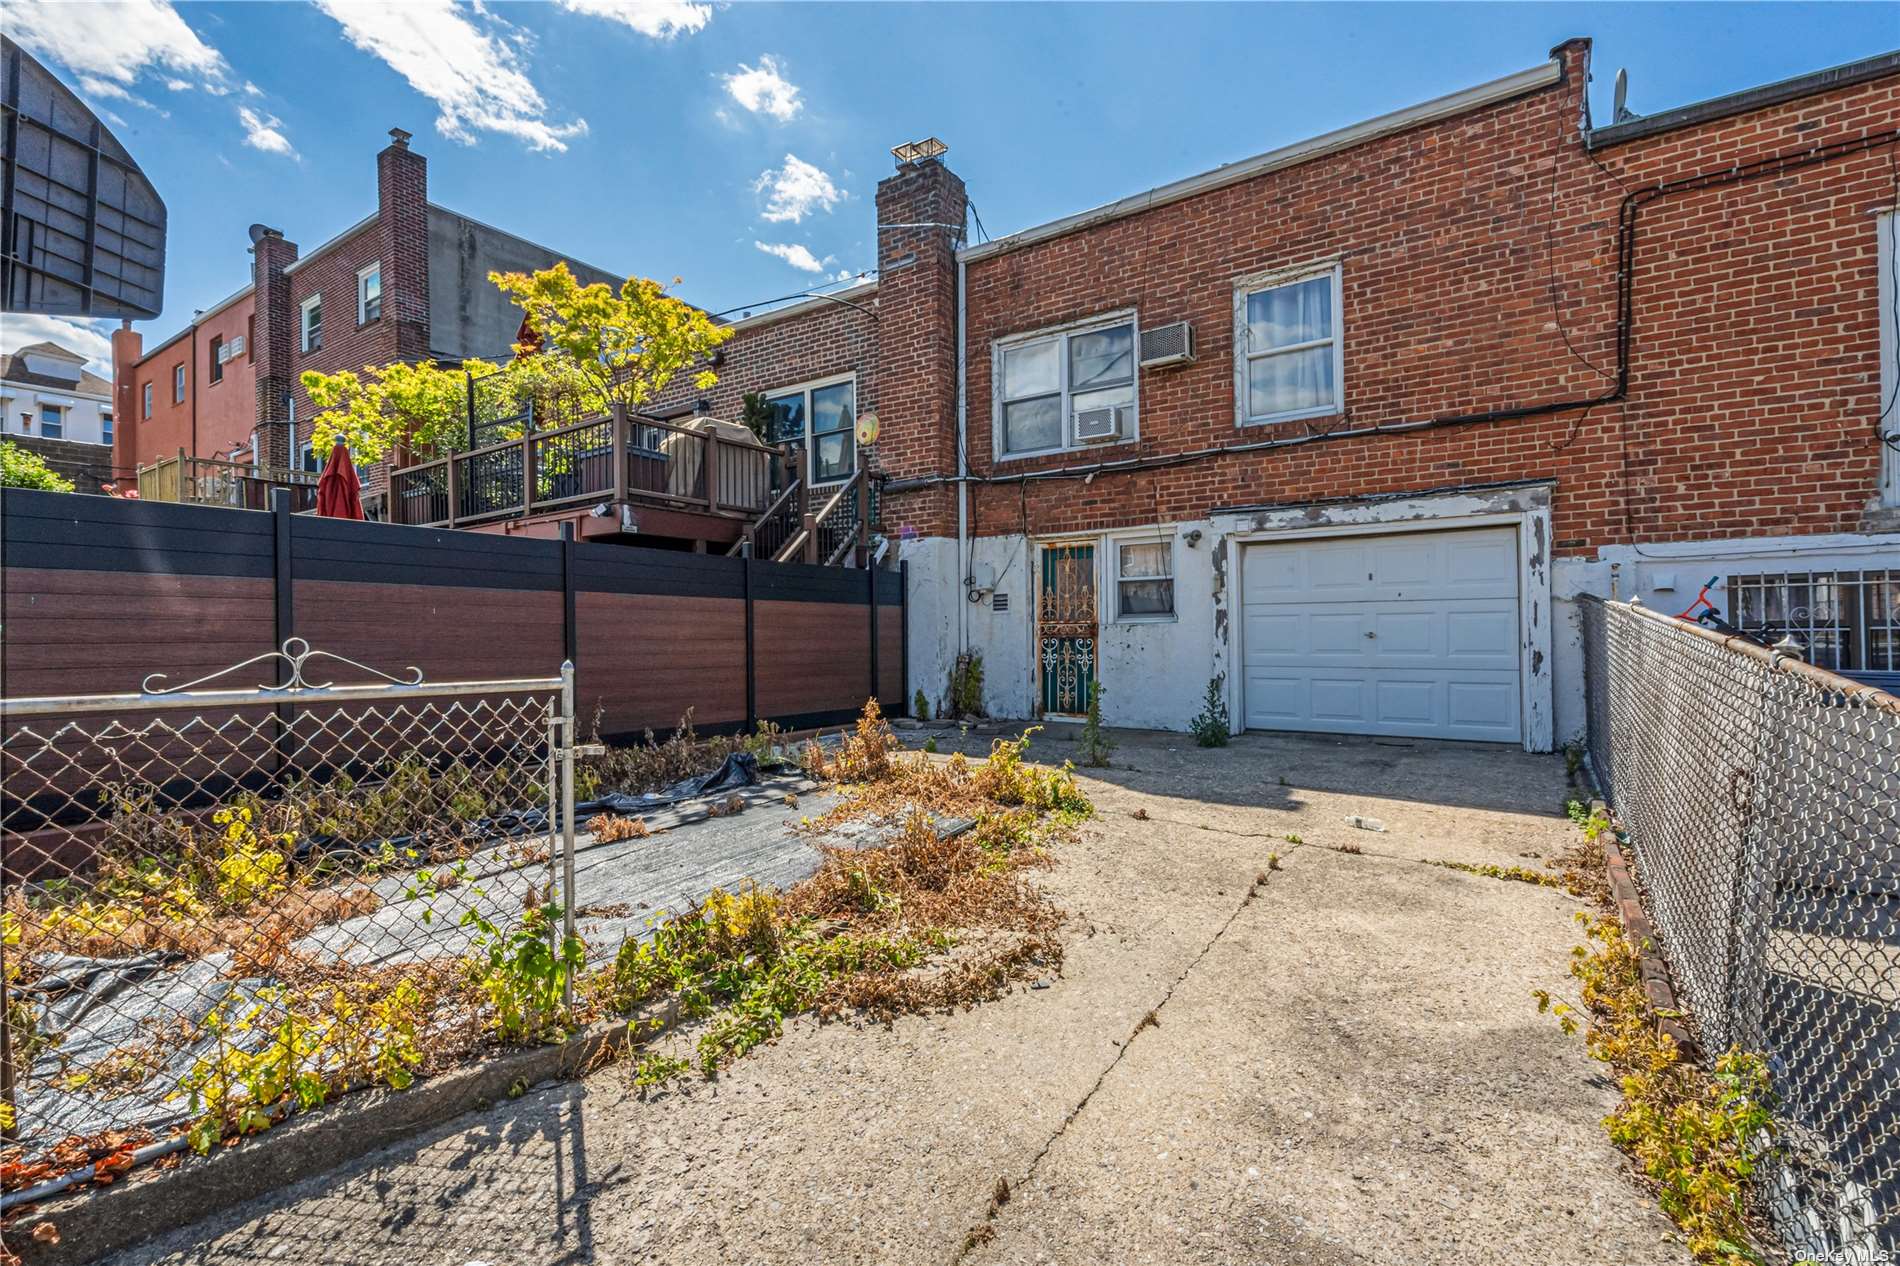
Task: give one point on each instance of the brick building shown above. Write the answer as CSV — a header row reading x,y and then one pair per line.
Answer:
x,y
1346,426
408,281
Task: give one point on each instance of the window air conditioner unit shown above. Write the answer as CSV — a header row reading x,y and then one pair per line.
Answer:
x,y
1171,344
1095,426
232,350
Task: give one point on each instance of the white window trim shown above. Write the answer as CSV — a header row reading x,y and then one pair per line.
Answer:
x,y
178,383
145,400
816,384
1148,536
362,291
1246,287
998,347
303,320
1887,226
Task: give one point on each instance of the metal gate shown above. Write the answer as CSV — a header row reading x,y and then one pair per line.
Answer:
x,y
203,881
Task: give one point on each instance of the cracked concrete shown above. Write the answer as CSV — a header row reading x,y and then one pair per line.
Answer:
x,y
1340,1065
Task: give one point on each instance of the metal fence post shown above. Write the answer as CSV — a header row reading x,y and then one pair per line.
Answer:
x,y
870,589
569,742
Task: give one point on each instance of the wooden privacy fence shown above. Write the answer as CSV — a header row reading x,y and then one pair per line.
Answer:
x,y
99,593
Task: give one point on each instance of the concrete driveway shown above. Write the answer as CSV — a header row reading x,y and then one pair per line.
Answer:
x,y
1342,1065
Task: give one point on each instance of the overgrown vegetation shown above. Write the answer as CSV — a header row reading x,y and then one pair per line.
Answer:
x,y
655,763
1700,1135
966,686
1209,725
865,932
1096,745
928,917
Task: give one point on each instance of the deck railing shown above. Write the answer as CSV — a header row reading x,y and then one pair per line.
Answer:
x,y
617,458
239,485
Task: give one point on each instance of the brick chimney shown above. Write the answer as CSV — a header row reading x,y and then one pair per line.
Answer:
x,y
920,216
276,345
402,211
128,345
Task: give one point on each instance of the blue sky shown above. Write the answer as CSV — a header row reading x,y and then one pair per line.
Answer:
x,y
672,138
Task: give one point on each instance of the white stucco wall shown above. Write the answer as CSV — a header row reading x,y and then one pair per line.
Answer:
x,y
1154,675
83,420
1667,576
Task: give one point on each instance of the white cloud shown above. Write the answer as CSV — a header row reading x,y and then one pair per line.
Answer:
x,y
261,131
659,19
473,73
795,190
89,338
762,90
108,46
797,256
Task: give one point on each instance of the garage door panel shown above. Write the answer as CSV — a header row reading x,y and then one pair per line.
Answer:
x,y
1407,631
1479,704
1402,702
1337,697
1414,634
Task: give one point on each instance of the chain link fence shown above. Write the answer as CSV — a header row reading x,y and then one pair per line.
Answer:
x,y
219,901
1761,798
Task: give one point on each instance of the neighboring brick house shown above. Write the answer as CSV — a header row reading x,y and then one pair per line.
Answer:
x,y
52,405
408,281
1409,432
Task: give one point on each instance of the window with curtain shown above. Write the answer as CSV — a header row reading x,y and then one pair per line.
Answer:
x,y
1288,336
1046,379
1144,579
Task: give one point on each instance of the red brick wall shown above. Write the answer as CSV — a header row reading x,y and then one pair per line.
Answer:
x,y
1755,357
771,354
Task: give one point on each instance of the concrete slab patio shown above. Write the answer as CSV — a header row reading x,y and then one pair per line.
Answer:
x,y
1342,1065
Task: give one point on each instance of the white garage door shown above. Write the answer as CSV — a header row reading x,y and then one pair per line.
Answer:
x,y
1414,634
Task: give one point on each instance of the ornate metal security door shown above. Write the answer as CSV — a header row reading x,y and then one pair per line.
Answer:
x,y
1066,627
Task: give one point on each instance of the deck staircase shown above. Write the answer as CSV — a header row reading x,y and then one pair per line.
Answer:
x,y
834,532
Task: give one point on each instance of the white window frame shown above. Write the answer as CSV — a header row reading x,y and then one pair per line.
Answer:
x,y
304,309
1244,289
1113,567
178,383
819,384
105,424
146,401
58,412
1001,346
362,292
1887,227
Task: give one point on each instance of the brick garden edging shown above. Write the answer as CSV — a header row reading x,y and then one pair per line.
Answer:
x,y
1657,984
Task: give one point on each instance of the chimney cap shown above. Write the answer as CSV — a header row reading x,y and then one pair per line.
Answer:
x,y
399,138
919,151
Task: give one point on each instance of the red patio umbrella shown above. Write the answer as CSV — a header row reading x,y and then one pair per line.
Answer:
x,y
339,492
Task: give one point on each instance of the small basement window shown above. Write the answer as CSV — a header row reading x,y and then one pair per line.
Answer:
x,y
1144,579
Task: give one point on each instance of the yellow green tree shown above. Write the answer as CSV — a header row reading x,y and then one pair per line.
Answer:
x,y
420,407
618,347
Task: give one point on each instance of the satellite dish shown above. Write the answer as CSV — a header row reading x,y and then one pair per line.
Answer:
x,y
867,430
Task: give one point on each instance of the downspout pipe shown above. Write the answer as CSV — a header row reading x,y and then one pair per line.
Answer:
x,y
965,564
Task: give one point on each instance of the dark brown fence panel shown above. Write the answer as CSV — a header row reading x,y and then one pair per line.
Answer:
x,y
890,644
100,593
